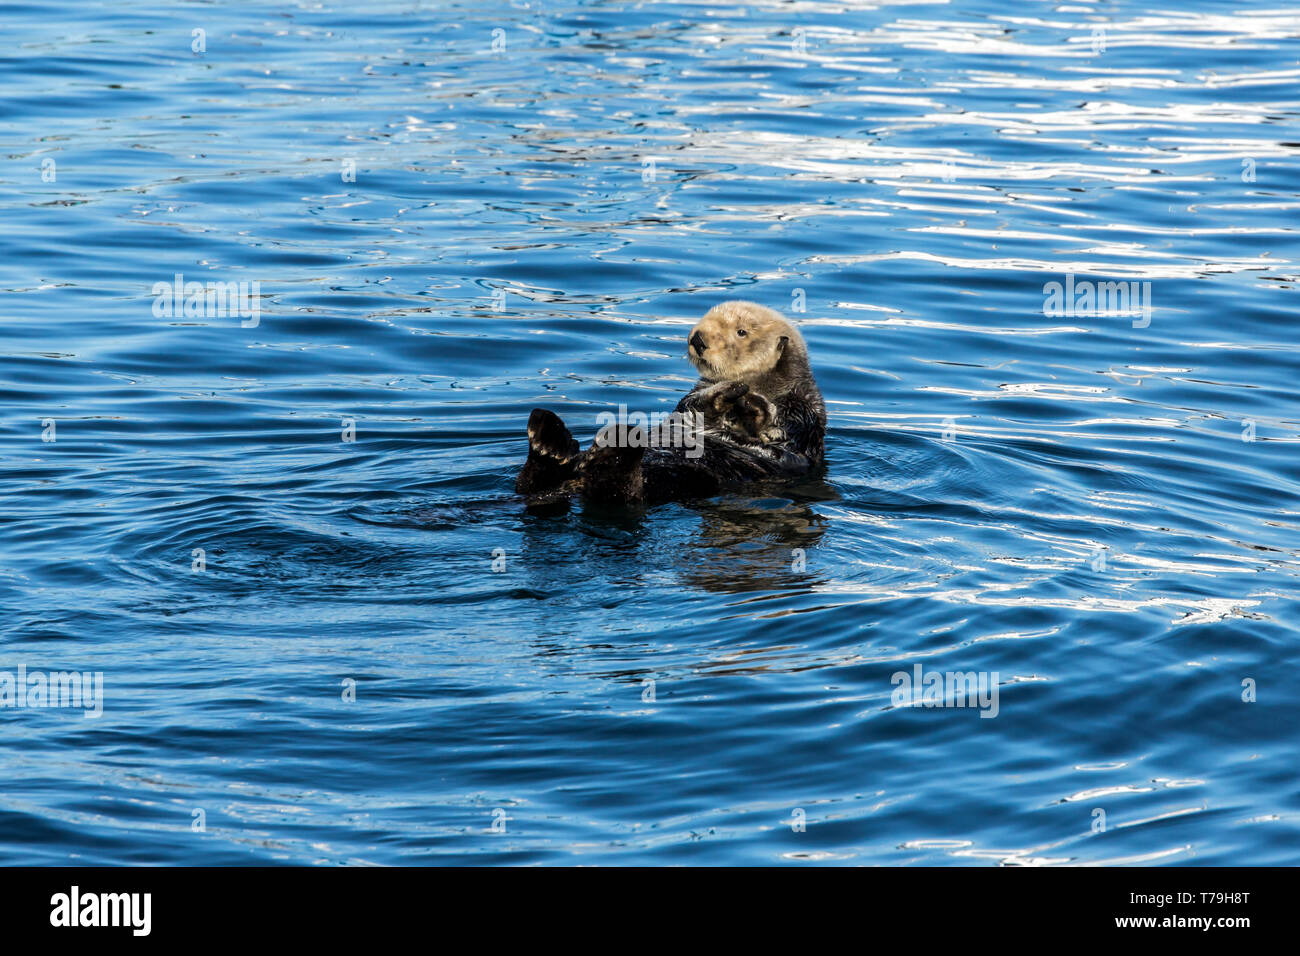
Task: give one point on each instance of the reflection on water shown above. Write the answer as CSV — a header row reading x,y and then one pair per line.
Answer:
x,y
763,545
232,521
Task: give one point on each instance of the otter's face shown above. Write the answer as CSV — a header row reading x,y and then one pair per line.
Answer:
x,y
738,341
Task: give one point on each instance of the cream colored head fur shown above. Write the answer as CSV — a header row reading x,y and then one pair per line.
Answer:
x,y
743,342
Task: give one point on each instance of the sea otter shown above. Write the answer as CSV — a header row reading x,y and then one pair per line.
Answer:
x,y
756,413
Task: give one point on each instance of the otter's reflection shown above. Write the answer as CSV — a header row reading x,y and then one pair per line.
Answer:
x,y
591,562
758,544
761,542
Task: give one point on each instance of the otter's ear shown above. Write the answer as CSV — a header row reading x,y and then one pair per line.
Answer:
x,y
781,343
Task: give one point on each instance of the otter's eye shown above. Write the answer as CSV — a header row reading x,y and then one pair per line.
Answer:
x,y
741,332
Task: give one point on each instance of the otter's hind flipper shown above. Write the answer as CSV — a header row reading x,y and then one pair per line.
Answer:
x,y
552,454
611,467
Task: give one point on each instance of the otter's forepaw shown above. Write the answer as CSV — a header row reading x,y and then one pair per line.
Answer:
x,y
715,401
752,418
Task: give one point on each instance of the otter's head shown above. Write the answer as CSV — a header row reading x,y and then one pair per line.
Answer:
x,y
743,342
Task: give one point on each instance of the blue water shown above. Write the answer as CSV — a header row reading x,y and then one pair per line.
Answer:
x,y
1099,512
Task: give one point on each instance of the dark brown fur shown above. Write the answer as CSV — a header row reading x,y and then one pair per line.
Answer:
x,y
763,414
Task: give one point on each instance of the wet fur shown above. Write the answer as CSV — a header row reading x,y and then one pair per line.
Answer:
x,y
763,413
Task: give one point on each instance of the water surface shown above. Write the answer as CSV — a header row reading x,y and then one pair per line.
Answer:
x,y
1099,511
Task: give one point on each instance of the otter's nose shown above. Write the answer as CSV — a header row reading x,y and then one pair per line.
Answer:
x,y
697,341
